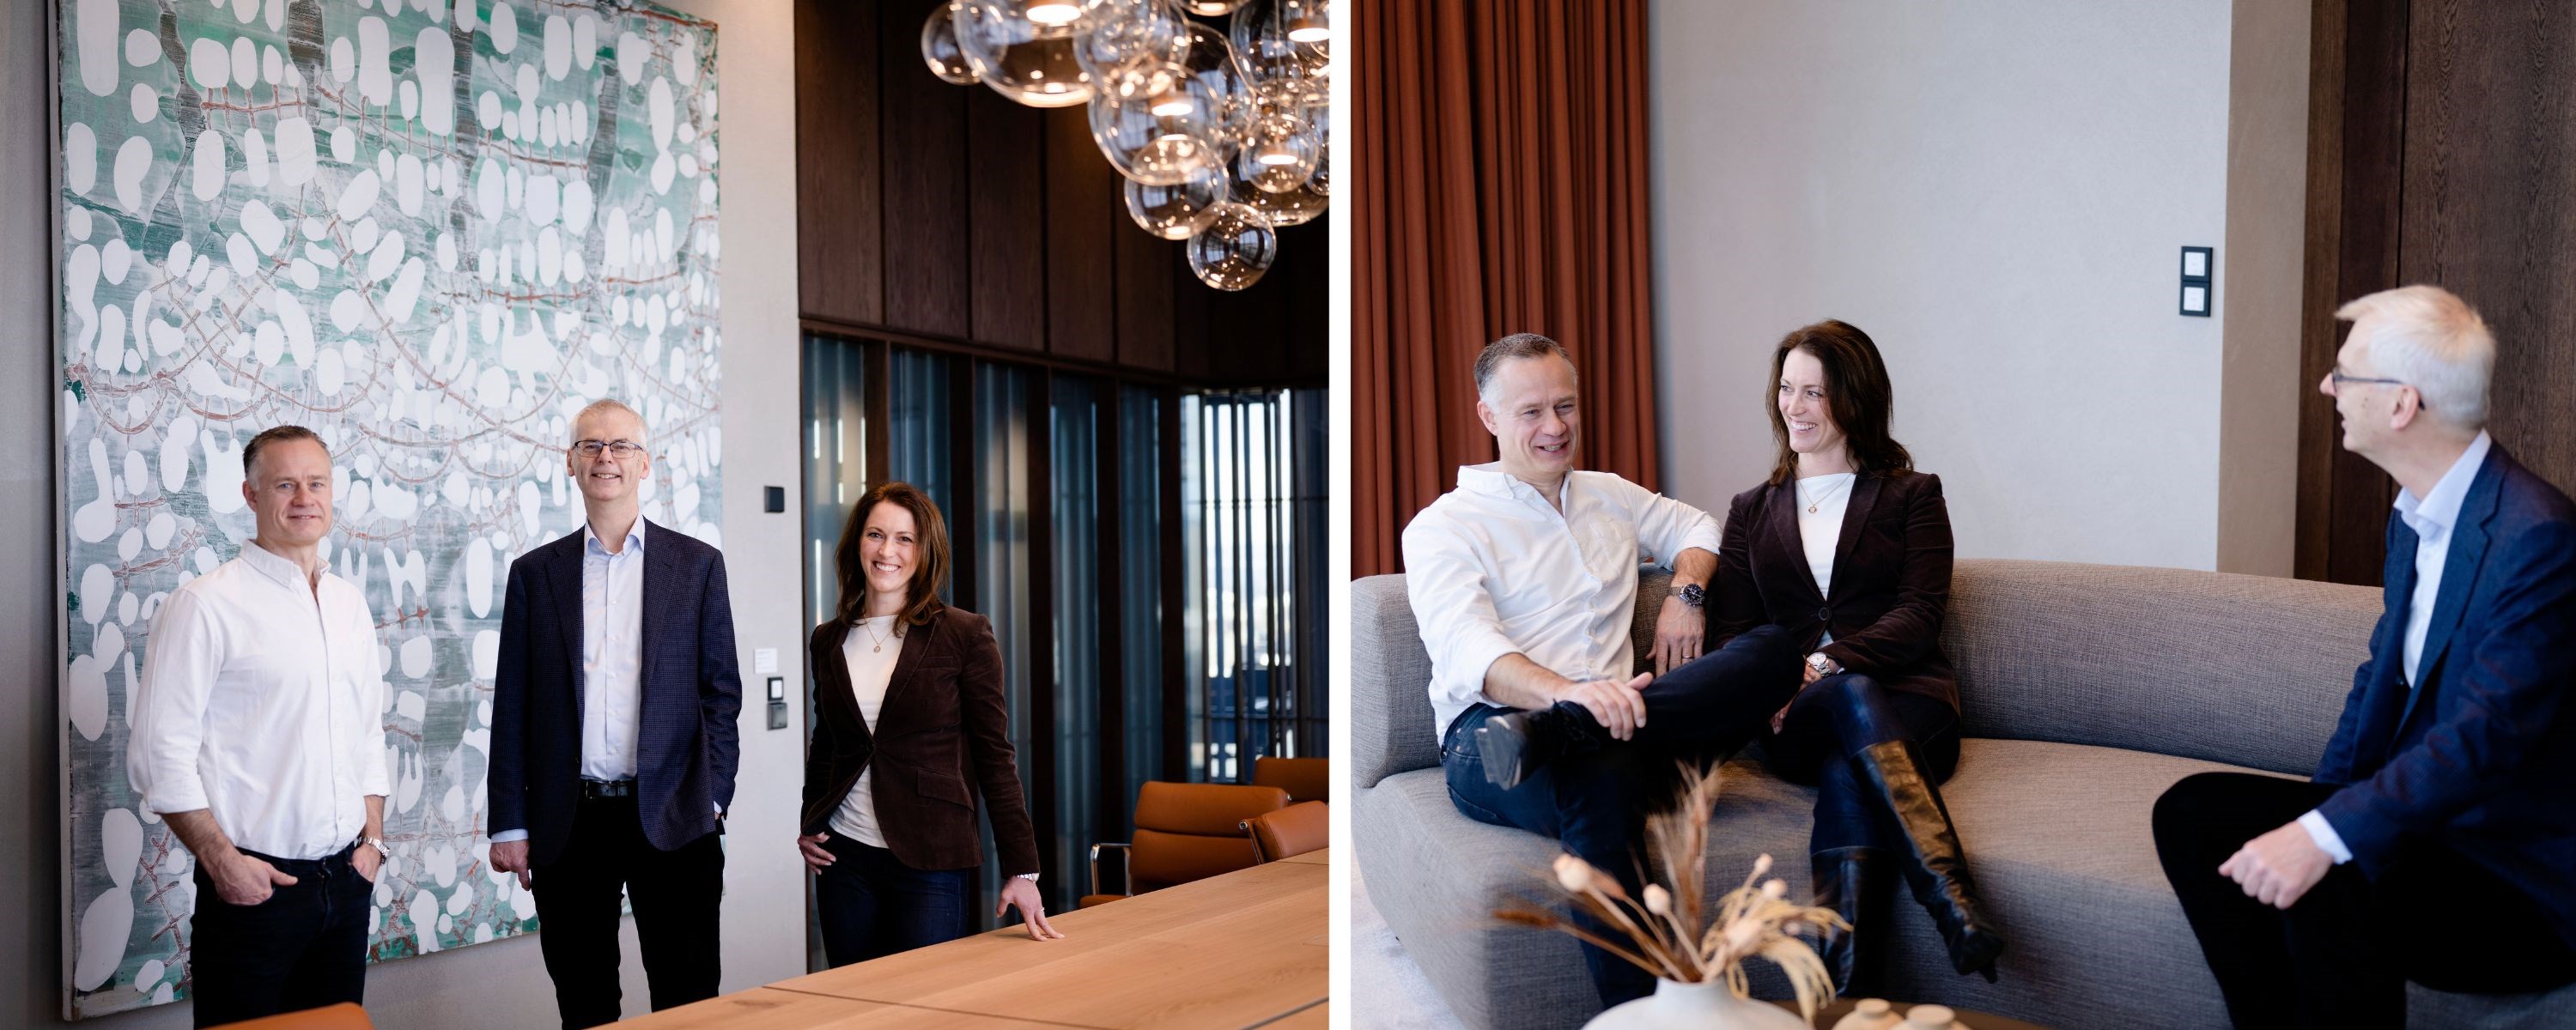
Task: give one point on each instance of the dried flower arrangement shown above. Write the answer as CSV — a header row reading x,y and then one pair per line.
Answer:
x,y
1663,931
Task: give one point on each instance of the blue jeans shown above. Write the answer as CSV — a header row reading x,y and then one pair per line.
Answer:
x,y
1835,718
304,947
1595,802
872,905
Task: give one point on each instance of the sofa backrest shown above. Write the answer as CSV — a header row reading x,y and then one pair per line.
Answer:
x,y
2248,670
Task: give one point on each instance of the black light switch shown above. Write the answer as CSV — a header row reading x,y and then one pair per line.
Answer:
x,y
774,499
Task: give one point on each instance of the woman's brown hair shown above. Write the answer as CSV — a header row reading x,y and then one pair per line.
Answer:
x,y
1857,392
930,544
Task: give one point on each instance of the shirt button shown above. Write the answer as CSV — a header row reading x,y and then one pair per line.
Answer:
x,y
1824,615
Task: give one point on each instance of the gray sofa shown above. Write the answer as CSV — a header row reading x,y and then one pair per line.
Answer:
x,y
2088,690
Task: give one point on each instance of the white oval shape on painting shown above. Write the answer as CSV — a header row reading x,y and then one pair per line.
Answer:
x,y
664,239
209,64
244,10
662,170
125,605
133,162
344,145
156,533
268,341
297,322
353,504
347,310
149,973
238,250
182,435
549,256
375,61
96,584
478,576
657,105
120,845
558,46
406,290
530,508
245,63
262,225
115,259
631,55
360,195
410,185
443,866
415,661
297,158
129,544
255,157
465,15
86,703
145,102
363,236
434,62
386,257
574,270
275,12
585,39
615,235
424,906
410,705
487,109
80,157
492,388
104,929
505,28
307,276
329,371
409,93
138,474
542,199
487,656
223,477
344,59
272,66
445,247
94,25
489,183
76,225
141,47
688,165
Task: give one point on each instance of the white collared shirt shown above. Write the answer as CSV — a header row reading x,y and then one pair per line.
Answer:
x,y
1493,569
262,699
1820,532
612,653
2432,518
869,649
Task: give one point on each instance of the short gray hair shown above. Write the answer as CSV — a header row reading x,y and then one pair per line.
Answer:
x,y
609,404
1517,345
2433,341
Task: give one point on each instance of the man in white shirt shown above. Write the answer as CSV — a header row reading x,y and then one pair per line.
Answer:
x,y
2446,779
613,734
259,736
1524,580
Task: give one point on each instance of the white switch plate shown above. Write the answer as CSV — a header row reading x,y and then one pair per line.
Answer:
x,y
765,662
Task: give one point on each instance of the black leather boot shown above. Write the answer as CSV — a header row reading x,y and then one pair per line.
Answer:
x,y
1516,744
1856,884
1937,869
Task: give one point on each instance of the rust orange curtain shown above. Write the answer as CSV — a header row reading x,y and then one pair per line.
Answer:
x,y
1500,148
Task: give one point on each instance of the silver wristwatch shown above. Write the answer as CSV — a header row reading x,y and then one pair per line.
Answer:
x,y
1031,877
1824,666
377,843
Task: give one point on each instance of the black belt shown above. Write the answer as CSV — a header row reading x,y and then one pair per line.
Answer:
x,y
598,790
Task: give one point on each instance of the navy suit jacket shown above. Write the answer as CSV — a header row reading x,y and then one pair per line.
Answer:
x,y
2480,756
686,747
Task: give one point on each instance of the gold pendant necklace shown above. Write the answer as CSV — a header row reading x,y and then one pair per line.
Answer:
x,y
1821,497
880,648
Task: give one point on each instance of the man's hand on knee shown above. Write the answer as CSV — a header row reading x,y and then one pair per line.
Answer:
x,y
2278,868
1619,707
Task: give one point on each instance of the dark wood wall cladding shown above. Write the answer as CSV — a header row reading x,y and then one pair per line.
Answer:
x,y
2442,149
951,216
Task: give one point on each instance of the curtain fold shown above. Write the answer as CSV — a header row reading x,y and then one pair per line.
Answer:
x,y
1500,148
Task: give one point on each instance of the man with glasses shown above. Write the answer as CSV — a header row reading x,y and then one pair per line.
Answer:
x,y
258,736
2439,813
613,738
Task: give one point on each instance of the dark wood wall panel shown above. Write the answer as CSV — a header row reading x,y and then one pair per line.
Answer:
x,y
2490,171
1007,187
2442,150
1144,292
925,242
1082,316
842,274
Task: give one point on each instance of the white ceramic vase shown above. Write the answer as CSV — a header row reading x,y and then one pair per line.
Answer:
x,y
1700,1006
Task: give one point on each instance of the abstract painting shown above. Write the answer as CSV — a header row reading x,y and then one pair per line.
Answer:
x,y
430,231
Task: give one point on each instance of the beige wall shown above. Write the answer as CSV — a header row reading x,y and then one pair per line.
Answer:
x,y
502,983
1998,193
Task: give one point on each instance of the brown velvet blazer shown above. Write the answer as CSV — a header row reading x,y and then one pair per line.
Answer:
x,y
1891,581
943,727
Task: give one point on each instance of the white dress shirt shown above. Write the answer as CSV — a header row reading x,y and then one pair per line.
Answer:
x,y
1493,569
870,671
1821,531
612,654
262,699
2431,517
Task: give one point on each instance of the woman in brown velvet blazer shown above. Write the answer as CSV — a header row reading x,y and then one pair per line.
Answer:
x,y
910,724
1848,549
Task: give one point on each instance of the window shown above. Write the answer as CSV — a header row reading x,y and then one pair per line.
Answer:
x,y
1252,499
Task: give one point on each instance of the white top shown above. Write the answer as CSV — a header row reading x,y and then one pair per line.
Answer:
x,y
2431,518
1493,569
262,698
612,653
1821,530
870,670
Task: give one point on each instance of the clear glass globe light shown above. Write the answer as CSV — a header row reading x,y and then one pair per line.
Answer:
x,y
1213,62
1235,247
939,47
1284,46
1212,8
1279,154
1020,57
1160,126
1178,211
1285,207
1128,37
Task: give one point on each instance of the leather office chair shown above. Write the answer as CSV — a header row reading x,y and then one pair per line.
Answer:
x,y
1185,832
1294,830
1305,779
343,1016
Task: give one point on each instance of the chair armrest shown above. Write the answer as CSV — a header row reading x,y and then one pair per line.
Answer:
x,y
1128,864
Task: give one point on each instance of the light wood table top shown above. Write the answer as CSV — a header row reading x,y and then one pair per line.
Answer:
x,y
767,1008
1322,856
1238,950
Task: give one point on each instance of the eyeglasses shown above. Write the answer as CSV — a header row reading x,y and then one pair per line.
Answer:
x,y
2340,379
621,449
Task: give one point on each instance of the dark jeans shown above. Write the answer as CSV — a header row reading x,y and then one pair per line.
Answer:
x,y
677,896
1595,803
2341,955
304,947
1832,720
872,905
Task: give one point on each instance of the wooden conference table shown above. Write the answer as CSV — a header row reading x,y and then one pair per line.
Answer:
x,y
1246,949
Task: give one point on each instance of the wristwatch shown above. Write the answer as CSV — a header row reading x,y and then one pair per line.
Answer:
x,y
1693,596
1824,666
377,843
1031,877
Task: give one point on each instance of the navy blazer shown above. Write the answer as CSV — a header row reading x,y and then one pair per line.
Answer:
x,y
2480,755
686,747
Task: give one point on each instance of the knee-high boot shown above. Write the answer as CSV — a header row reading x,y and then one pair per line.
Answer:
x,y
1856,884
1936,868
